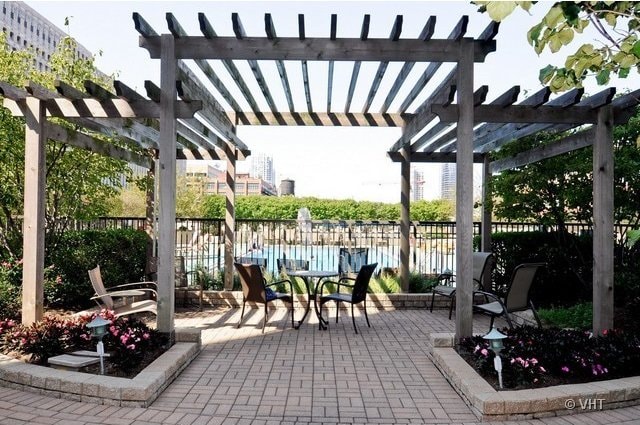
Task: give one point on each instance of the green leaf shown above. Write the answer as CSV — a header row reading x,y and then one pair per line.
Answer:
x,y
554,16
623,72
636,49
498,10
534,33
546,73
555,43
603,77
611,19
566,36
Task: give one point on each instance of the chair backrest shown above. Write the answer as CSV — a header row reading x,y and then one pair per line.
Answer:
x,y
351,260
517,298
362,282
292,264
98,286
482,263
252,282
261,261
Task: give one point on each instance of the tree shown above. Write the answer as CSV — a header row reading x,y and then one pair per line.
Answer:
x,y
79,182
617,22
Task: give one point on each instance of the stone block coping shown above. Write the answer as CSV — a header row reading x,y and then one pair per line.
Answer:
x,y
140,391
489,404
379,301
71,362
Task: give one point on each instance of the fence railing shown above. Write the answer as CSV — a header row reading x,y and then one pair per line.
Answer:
x,y
201,241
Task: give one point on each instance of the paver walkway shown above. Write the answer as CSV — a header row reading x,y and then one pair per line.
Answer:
x,y
381,375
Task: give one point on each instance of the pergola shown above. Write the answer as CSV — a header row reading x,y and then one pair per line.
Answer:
x,y
175,132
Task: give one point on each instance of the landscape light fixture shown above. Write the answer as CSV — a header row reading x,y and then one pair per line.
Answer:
x,y
495,338
98,328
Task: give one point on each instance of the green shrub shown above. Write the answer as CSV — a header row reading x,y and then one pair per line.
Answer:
x,y
120,253
579,316
10,289
568,275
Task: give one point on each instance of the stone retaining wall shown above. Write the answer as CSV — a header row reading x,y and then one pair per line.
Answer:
x,y
490,404
140,391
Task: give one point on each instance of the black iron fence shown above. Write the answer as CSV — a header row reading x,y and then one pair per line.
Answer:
x,y
201,241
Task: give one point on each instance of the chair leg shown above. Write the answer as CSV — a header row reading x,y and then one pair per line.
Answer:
x,y
509,322
292,310
365,313
433,297
353,319
266,312
337,310
320,318
535,314
491,323
241,314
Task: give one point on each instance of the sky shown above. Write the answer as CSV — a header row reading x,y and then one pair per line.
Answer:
x,y
342,163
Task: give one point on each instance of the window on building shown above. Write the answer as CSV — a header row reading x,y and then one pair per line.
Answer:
x,y
211,187
19,19
4,9
239,187
31,28
222,186
18,38
253,187
11,15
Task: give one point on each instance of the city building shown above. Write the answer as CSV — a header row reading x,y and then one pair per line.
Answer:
x,y
25,28
262,167
245,185
448,182
287,187
417,185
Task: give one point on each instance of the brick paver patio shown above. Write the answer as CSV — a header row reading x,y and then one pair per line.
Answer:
x,y
381,375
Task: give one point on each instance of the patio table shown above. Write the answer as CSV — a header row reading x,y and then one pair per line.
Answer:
x,y
308,276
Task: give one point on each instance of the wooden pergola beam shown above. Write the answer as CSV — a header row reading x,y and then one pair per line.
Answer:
x,y
344,49
200,154
322,119
432,157
522,114
93,144
305,69
567,144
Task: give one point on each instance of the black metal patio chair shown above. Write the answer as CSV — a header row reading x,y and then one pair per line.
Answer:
x,y
358,294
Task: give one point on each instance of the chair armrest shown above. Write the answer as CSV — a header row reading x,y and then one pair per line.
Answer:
x,y
127,285
338,284
120,294
489,295
281,281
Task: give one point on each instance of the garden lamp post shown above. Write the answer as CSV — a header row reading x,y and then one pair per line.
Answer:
x,y
495,338
98,329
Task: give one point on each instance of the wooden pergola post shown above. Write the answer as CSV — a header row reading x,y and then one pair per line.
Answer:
x,y
230,217
603,227
464,192
34,208
167,177
485,243
405,196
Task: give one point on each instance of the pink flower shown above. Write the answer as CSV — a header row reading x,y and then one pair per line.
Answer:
x,y
131,347
484,352
564,369
145,335
543,370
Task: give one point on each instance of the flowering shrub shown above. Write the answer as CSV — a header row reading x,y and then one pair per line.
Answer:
x,y
10,288
539,357
128,340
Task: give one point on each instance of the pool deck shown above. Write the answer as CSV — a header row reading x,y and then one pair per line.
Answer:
x,y
382,375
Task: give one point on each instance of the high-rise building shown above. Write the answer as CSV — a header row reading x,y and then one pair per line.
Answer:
x,y
262,167
25,28
448,182
417,185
